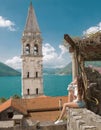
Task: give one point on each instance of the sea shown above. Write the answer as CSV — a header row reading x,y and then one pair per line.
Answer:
x,y
53,85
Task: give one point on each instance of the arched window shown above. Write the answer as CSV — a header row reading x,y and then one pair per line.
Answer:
x,y
27,49
35,49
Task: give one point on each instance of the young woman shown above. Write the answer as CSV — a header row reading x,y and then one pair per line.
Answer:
x,y
77,103
72,90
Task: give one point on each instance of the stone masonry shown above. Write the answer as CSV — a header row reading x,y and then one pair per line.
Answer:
x,y
77,119
83,119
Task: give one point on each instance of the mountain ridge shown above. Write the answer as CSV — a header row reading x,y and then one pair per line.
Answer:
x,y
6,70
68,68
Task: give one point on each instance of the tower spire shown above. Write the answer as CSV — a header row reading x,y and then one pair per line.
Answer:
x,y
31,22
30,2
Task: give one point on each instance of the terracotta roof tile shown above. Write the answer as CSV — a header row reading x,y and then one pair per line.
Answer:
x,y
42,107
19,105
16,104
45,116
44,102
5,105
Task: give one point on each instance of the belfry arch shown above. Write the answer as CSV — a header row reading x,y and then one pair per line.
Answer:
x,y
36,49
27,49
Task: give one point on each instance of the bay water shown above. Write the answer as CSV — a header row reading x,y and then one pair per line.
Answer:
x,y
54,85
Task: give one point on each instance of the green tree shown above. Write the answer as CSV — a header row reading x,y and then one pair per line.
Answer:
x,y
3,99
16,96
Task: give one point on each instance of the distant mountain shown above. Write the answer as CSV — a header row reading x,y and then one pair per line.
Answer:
x,y
50,70
59,71
19,70
68,68
93,63
8,71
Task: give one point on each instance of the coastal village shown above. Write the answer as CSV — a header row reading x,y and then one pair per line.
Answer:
x,y
35,111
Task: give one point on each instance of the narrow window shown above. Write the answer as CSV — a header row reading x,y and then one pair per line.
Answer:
x,y
27,74
28,91
36,91
36,74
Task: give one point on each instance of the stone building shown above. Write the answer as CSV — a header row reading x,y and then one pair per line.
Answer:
x,y
32,79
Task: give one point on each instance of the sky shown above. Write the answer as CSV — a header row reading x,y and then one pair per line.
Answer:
x,y
55,18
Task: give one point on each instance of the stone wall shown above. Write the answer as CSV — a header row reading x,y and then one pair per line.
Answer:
x,y
77,119
83,119
93,92
40,127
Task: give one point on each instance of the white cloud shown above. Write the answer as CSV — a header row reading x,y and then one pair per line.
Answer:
x,y
49,53
54,59
92,30
51,58
5,23
15,62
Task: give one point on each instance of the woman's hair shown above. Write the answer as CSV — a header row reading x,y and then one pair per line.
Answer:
x,y
81,88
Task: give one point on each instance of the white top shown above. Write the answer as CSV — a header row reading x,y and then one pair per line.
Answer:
x,y
73,88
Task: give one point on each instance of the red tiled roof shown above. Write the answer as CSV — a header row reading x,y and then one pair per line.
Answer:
x,y
44,102
13,103
5,105
45,116
42,106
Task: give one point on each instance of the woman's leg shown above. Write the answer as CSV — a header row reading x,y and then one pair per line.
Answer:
x,y
69,104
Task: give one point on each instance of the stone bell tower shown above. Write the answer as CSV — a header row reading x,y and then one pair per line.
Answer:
x,y
32,79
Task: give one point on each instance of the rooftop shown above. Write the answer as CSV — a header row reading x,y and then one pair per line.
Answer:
x,y
40,108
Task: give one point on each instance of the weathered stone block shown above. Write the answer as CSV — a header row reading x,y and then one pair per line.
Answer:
x,y
83,119
88,128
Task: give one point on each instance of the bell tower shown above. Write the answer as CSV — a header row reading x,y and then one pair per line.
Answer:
x,y
32,79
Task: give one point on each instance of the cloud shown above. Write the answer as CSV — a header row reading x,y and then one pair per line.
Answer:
x,y
92,30
14,62
52,58
5,23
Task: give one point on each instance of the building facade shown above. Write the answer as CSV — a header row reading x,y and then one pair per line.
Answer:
x,y
32,78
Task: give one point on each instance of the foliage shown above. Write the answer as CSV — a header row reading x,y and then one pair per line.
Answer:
x,y
3,99
16,96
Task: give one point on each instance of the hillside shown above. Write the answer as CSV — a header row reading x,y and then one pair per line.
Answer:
x,y
59,71
8,71
68,68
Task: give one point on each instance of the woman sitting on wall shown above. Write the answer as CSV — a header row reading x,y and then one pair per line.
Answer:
x,y
78,101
